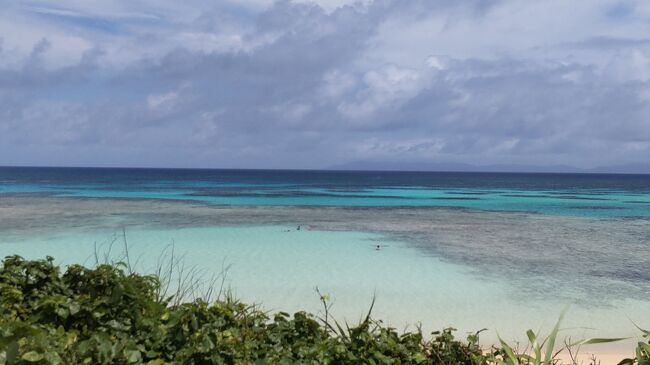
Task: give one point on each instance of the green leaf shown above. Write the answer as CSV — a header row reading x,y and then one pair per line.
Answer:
x,y
133,356
32,356
53,358
74,308
593,341
644,346
62,312
551,340
509,352
418,357
12,352
533,342
645,332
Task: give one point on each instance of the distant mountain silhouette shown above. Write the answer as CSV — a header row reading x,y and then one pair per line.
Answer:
x,y
639,168
462,167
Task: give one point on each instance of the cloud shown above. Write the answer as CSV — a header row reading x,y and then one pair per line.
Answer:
x,y
309,84
159,101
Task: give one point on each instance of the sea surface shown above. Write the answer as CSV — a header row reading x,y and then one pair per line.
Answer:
x,y
500,251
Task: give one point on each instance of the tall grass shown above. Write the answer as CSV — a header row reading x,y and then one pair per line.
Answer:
x,y
543,351
178,282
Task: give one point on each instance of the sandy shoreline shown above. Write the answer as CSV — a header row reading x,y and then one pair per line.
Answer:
x,y
604,355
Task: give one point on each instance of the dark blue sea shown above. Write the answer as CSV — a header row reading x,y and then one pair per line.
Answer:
x,y
585,195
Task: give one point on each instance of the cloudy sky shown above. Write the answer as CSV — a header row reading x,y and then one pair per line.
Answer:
x,y
318,83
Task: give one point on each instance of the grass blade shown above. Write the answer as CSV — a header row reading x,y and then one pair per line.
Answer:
x,y
551,340
593,341
533,342
511,354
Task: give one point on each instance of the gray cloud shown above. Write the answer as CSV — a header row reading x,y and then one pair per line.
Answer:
x,y
298,85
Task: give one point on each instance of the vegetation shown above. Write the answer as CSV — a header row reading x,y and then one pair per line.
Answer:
x,y
111,315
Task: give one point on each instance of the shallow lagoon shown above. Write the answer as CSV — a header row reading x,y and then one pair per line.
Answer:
x,y
280,268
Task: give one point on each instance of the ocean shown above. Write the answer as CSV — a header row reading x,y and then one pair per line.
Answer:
x,y
501,251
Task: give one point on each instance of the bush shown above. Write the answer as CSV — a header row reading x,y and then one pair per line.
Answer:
x,y
109,315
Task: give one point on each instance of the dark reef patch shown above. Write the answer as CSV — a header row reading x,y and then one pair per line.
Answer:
x,y
527,196
595,207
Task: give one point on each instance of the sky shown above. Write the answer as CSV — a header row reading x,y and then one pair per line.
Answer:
x,y
320,83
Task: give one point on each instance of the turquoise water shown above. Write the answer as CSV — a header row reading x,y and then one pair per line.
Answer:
x,y
604,205
594,196
589,204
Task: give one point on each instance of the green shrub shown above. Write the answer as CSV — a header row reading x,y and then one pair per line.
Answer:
x,y
111,315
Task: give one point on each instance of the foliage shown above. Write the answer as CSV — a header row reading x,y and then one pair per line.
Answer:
x,y
111,315
544,352
642,352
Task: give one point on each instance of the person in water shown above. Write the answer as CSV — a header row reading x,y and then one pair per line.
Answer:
x,y
378,248
298,228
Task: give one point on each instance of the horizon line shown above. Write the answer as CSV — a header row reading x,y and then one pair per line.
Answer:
x,y
327,170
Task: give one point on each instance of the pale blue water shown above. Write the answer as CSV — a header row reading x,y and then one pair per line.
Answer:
x,y
281,268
